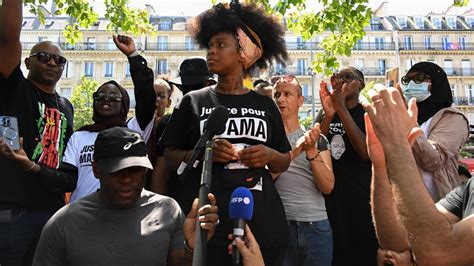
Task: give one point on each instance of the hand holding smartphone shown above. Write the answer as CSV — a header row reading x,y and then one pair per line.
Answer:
x,y
9,131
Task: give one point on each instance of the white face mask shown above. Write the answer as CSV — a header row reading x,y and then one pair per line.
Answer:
x,y
419,91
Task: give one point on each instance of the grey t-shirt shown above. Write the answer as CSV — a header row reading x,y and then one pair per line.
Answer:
x,y
460,201
88,232
301,198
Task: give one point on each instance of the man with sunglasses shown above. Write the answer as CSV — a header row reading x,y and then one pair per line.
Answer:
x,y
29,193
302,186
348,205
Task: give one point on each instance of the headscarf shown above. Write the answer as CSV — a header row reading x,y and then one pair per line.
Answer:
x,y
105,122
441,96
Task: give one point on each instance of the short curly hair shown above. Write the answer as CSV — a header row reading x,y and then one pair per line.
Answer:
x,y
222,18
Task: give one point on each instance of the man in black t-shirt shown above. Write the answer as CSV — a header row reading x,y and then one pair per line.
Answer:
x,y
29,192
348,205
441,234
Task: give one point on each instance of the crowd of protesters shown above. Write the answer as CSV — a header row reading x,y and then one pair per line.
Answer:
x,y
375,182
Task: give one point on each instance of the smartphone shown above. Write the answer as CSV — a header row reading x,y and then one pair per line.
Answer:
x,y
9,131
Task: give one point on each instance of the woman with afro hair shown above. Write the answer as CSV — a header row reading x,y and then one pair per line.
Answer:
x,y
238,39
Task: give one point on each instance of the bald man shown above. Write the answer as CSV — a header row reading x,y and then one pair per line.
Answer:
x,y
29,192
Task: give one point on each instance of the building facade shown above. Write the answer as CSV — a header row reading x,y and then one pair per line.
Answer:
x,y
392,41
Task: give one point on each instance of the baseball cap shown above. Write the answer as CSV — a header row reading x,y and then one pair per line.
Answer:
x,y
118,148
192,71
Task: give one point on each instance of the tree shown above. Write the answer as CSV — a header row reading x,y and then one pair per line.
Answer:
x,y
81,99
345,19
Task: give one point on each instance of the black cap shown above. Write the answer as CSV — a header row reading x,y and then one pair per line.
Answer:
x,y
192,71
118,148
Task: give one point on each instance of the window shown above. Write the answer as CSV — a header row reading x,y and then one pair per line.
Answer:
x,y
304,88
420,22
454,90
409,63
375,24
445,42
436,22
466,67
65,92
359,64
448,66
462,42
279,69
40,39
301,67
402,22
111,44
379,43
470,22
381,66
161,66
407,42
89,69
189,43
299,43
469,92
68,71
164,24
451,21
90,43
131,94
162,43
127,70
109,69
428,41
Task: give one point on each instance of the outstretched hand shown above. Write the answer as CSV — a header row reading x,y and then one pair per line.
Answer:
x,y
125,44
207,216
18,156
250,250
326,101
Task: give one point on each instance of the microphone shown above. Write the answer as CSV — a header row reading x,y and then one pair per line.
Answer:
x,y
215,125
240,210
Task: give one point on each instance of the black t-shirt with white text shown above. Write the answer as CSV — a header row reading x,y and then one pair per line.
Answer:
x,y
253,120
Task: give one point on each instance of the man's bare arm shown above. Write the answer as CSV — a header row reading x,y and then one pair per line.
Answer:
x,y
10,28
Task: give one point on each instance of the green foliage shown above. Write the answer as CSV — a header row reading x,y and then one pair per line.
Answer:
x,y
81,99
129,20
465,154
306,122
345,19
364,93
461,2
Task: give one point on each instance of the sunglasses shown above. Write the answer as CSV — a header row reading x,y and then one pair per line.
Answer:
x,y
285,79
107,97
44,58
418,78
347,77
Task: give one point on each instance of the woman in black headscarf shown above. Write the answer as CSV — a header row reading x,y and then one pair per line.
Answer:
x,y
110,106
445,128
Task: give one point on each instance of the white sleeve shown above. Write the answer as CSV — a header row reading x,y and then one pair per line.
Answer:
x,y
71,155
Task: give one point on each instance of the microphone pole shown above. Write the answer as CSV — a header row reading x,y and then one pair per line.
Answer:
x,y
200,242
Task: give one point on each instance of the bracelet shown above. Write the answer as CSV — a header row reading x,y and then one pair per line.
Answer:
x,y
313,158
187,248
30,168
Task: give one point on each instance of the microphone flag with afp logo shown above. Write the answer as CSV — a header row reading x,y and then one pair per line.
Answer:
x,y
240,210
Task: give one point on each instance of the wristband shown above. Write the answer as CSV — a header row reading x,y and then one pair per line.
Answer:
x,y
30,168
313,158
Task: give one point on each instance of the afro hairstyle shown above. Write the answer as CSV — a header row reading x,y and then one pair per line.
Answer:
x,y
228,18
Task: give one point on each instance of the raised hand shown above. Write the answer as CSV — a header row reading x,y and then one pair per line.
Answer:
x,y
125,44
326,101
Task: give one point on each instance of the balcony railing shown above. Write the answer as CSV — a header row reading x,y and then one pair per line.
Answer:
x,y
463,100
297,71
183,46
373,71
83,46
437,46
459,71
